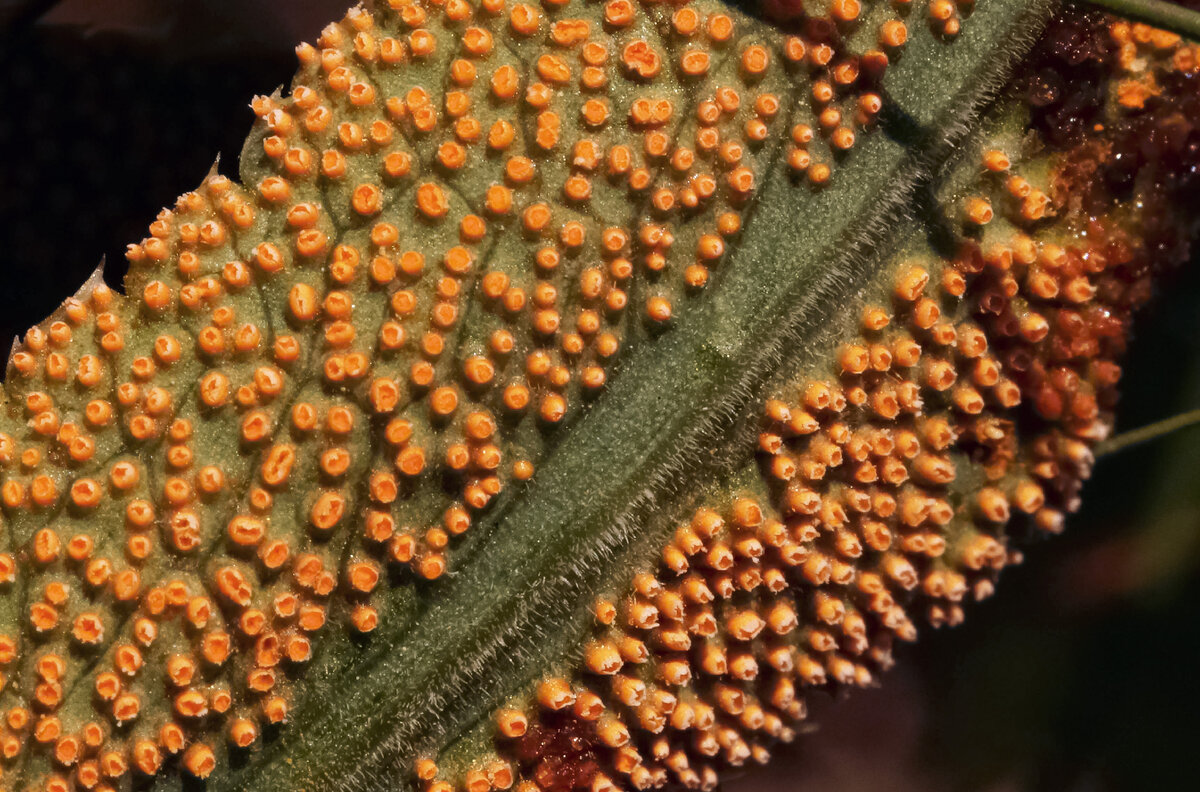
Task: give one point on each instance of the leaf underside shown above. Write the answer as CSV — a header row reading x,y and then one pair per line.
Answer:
x,y
526,326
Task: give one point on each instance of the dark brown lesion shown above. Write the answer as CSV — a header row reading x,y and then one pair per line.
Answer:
x,y
1066,77
561,752
1145,142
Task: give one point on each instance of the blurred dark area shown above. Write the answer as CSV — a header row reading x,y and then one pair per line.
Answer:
x,y
1080,674
111,109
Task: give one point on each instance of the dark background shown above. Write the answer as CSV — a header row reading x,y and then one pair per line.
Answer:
x,y
1083,673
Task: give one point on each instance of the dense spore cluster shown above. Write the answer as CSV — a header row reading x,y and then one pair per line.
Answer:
x,y
449,230
958,413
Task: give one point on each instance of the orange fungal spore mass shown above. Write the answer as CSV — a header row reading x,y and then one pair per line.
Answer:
x,y
452,228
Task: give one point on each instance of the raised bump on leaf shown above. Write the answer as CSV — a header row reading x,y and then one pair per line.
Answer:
x,y
450,230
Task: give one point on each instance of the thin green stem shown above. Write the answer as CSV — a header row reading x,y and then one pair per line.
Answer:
x,y
1159,13
1147,433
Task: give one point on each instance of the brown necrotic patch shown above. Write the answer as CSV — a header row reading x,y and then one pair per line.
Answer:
x,y
1120,126
560,752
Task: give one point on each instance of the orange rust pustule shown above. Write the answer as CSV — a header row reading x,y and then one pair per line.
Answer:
x,y
561,752
1068,377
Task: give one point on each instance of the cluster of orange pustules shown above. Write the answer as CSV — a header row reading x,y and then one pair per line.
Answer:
x,y
887,486
428,270
861,522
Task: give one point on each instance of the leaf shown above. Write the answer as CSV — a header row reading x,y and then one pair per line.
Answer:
x,y
529,319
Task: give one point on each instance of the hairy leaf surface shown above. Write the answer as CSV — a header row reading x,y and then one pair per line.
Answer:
x,y
392,444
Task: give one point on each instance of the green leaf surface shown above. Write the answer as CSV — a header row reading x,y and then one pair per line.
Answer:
x,y
435,391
